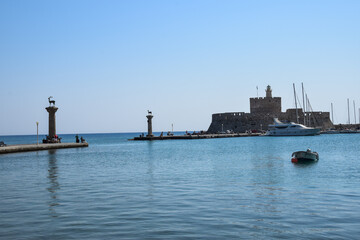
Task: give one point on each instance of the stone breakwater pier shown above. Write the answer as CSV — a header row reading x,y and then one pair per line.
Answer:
x,y
52,141
39,147
170,136
195,136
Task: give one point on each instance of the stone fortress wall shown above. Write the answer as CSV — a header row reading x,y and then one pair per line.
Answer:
x,y
262,113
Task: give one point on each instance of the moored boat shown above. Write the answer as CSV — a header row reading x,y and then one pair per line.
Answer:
x,y
290,129
305,156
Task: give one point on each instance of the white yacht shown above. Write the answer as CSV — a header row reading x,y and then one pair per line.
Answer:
x,y
290,129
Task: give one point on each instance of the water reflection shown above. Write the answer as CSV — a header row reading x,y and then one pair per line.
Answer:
x,y
307,164
53,182
266,177
150,171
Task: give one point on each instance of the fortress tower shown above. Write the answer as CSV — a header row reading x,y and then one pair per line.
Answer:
x,y
267,105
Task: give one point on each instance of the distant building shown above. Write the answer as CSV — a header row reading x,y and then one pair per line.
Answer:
x,y
262,113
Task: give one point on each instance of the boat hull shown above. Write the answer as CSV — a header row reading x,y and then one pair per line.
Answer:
x,y
303,132
305,156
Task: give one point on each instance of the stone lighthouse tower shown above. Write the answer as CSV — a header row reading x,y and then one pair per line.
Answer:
x,y
149,121
52,126
268,92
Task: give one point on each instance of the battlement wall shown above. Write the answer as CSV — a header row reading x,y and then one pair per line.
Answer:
x,y
226,116
239,122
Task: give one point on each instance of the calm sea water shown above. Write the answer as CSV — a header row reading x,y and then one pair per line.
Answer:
x,y
234,188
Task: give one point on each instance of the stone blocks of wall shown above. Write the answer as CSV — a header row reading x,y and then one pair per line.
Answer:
x,y
265,105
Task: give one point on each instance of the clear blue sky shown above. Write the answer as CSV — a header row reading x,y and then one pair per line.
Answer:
x,y
107,62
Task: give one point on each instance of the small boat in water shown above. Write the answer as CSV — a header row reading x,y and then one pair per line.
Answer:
x,y
305,156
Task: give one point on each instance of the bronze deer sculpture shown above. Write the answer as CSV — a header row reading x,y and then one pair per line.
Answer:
x,y
51,101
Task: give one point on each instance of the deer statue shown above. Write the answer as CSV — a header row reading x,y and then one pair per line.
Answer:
x,y
51,101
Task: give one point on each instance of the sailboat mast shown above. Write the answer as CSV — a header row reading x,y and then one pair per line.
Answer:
x,y
354,112
307,107
348,111
302,86
297,116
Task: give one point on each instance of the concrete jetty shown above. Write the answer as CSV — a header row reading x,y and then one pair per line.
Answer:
x,y
195,136
39,147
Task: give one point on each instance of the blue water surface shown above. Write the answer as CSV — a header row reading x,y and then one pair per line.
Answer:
x,y
231,188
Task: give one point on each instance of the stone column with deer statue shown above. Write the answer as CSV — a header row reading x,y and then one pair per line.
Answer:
x,y
52,126
149,121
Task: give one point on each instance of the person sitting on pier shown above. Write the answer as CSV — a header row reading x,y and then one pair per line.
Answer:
x,y
82,139
47,139
77,138
56,139
162,133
